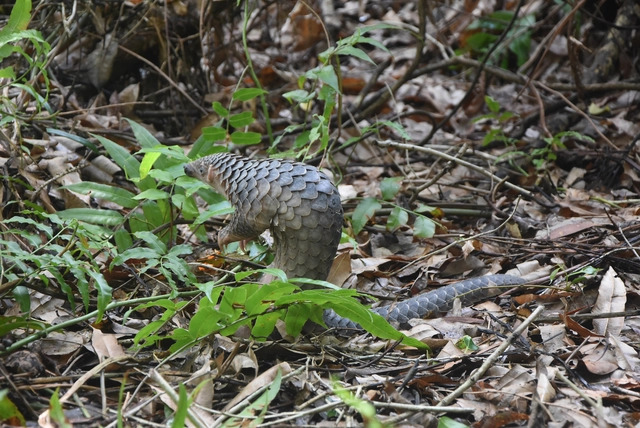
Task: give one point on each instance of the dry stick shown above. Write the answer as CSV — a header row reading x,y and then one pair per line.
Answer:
x,y
249,399
579,111
597,406
194,418
489,362
479,169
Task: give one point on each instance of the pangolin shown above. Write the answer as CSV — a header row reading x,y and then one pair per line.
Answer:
x,y
298,204
301,207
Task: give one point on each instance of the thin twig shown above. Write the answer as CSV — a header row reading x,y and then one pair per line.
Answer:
x,y
388,143
489,362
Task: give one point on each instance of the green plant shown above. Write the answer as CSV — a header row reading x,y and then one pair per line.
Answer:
x,y
539,156
486,31
547,153
423,226
46,249
322,86
16,39
496,133
367,410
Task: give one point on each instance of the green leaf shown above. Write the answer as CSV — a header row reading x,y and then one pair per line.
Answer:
x,y
365,211
246,94
356,52
424,227
218,108
221,208
152,195
492,104
121,156
9,412
7,72
104,292
93,216
214,133
447,422
299,96
152,241
241,120
390,187
11,323
78,139
373,42
140,253
182,408
18,19
56,412
113,194
245,138
397,218
143,136
327,75
466,344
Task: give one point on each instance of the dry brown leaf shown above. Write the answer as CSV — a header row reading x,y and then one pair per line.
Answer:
x,y
626,356
341,269
105,345
599,359
612,297
264,379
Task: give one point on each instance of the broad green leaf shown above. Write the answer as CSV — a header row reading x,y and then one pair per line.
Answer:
x,y
299,96
466,344
365,211
7,72
397,218
182,408
214,133
390,187
113,194
121,156
327,75
104,292
424,227
246,94
123,239
241,120
76,138
265,324
18,19
93,216
220,208
356,52
143,136
152,241
245,138
218,108
152,195
206,320
296,317
492,104
140,253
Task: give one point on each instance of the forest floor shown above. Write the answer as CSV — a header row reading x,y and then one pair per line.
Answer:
x,y
466,138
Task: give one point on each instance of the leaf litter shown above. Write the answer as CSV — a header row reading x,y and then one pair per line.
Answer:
x,y
573,231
